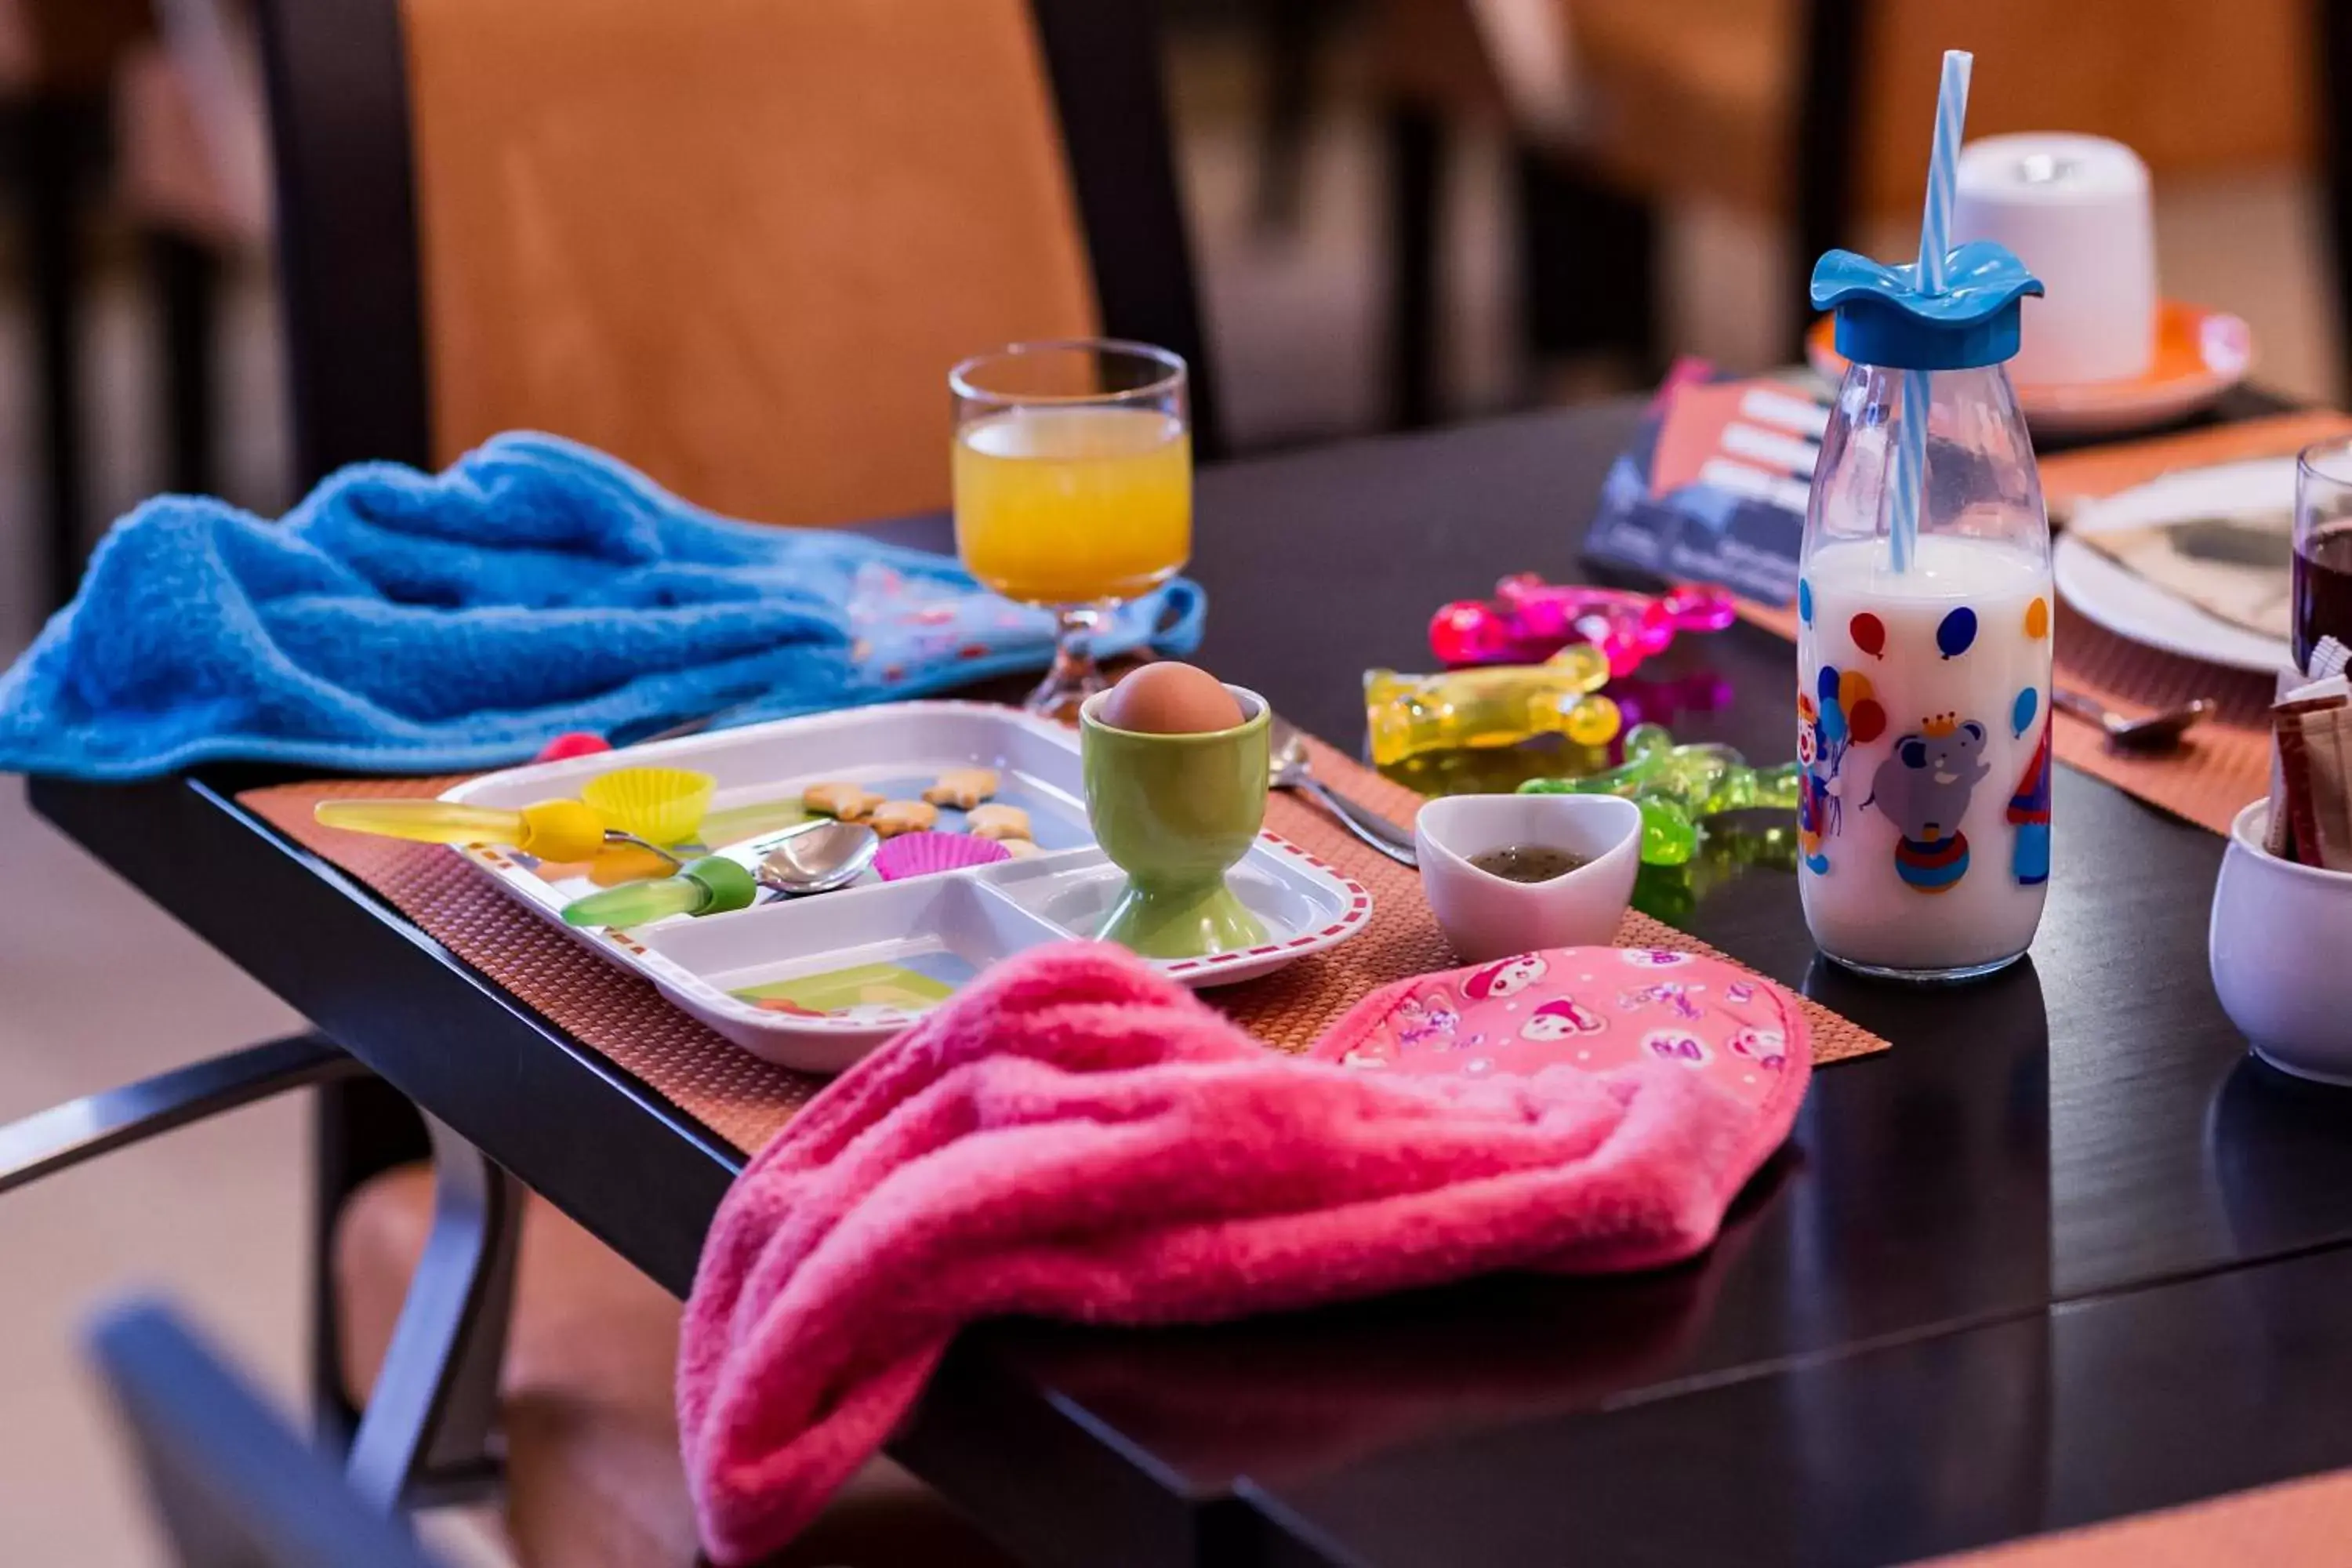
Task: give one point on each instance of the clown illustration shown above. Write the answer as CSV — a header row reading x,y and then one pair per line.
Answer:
x,y
2028,808
1813,806
1839,712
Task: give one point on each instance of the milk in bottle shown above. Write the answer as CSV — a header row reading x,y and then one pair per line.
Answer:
x,y
1923,659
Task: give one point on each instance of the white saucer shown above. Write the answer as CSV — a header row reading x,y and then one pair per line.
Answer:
x,y
2131,607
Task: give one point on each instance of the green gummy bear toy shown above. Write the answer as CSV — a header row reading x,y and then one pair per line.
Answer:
x,y
1675,786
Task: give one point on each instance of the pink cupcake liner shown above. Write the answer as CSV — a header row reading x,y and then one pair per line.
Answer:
x,y
922,853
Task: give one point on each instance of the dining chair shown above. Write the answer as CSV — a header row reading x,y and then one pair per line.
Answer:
x,y
1813,115
229,1484
737,243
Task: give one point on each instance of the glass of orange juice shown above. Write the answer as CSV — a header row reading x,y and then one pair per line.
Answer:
x,y
1073,486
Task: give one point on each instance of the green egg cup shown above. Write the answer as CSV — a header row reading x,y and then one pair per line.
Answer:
x,y
1175,812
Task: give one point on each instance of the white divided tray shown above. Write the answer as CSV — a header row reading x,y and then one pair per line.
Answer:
x,y
815,983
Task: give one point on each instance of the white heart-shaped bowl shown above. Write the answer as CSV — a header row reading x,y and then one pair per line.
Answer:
x,y
1488,917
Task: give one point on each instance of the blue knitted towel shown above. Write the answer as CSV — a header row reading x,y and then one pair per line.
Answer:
x,y
400,621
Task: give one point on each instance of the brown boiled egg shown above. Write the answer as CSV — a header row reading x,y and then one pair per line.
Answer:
x,y
1171,700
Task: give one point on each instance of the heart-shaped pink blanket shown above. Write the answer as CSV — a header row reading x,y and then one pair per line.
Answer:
x,y
1079,1137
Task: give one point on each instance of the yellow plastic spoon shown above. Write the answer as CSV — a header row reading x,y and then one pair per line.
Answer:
x,y
557,830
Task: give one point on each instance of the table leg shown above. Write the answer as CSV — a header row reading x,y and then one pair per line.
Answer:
x,y
1827,152
2331,27
426,1432
1588,266
359,1127
1416,153
184,275
56,137
1290,30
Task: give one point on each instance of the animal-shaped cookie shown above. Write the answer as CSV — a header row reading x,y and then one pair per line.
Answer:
x,y
962,788
896,816
849,802
997,821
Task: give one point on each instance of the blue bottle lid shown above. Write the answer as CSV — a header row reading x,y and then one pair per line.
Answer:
x,y
1883,317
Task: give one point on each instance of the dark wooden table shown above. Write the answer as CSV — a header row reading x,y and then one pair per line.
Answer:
x,y
2065,1252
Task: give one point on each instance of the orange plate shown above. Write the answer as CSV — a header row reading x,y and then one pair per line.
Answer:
x,y
2200,354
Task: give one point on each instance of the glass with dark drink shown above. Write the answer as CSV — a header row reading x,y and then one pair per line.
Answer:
x,y
2323,547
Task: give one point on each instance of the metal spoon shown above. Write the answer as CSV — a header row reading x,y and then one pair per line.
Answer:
x,y
2156,733
816,857
1292,771
813,856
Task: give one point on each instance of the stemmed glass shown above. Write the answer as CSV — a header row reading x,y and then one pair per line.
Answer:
x,y
1073,486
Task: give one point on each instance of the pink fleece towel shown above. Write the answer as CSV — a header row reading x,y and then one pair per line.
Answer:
x,y
1079,1137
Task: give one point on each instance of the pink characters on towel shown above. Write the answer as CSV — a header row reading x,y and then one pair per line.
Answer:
x,y
1672,995
1768,1049
1677,1045
1506,978
1560,1017
1429,1023
1573,1007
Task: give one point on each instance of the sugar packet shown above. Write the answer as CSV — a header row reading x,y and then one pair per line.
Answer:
x,y
2311,784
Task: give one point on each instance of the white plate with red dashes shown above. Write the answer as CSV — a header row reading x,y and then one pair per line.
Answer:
x,y
816,983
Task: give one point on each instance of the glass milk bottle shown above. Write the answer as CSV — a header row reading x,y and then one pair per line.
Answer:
x,y
1924,645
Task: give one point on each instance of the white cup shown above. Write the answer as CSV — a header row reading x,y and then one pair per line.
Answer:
x,y
1486,917
2281,946
2076,211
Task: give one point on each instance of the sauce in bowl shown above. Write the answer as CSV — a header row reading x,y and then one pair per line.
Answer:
x,y
1528,862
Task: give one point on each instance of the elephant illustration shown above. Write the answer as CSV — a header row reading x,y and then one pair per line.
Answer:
x,y
1923,787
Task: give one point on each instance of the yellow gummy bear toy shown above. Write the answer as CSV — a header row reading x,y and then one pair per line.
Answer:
x,y
1499,705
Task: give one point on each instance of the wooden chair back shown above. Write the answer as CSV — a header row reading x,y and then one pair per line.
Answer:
x,y
737,243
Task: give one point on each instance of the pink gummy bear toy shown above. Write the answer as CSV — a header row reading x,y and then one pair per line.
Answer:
x,y
1528,620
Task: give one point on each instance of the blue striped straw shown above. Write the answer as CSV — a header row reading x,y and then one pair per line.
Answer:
x,y
1910,475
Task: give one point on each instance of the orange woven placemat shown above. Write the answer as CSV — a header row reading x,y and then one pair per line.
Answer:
x,y
2295,1524
2225,761
746,1101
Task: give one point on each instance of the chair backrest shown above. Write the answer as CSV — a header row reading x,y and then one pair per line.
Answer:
x,y
1705,99
737,243
232,1487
